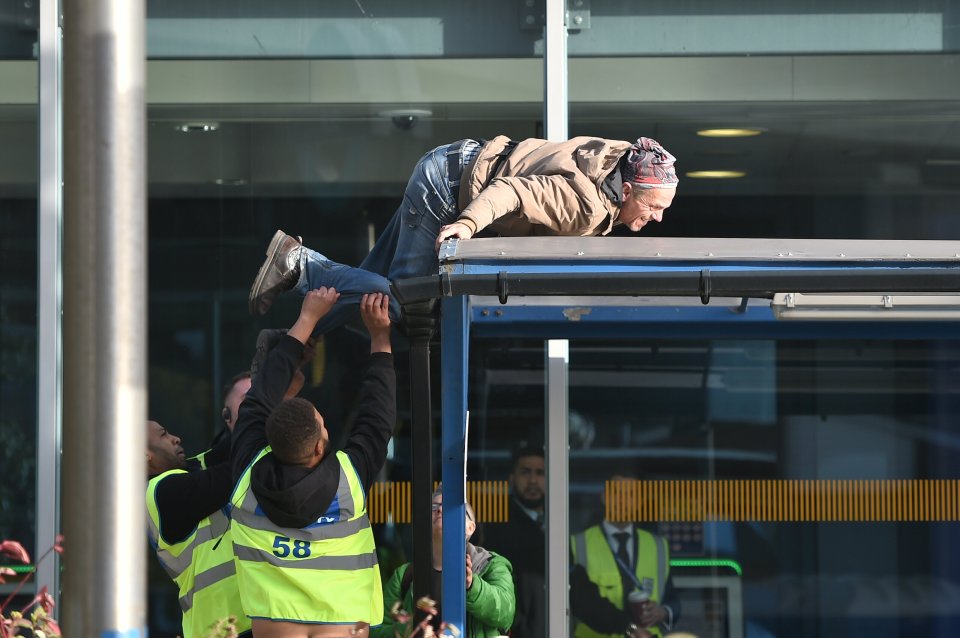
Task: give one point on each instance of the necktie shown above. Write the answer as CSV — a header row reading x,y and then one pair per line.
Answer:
x,y
623,565
622,554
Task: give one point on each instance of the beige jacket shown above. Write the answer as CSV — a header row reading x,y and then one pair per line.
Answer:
x,y
541,188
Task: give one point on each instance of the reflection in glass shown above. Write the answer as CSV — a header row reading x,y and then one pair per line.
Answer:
x,y
803,488
843,152
18,325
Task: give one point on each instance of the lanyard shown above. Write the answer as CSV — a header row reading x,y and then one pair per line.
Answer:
x,y
626,570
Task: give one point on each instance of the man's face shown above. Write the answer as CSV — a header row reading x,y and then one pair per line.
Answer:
x,y
164,451
233,400
324,432
437,507
528,481
642,205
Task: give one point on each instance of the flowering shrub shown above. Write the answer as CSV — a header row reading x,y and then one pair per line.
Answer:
x,y
34,616
224,628
423,628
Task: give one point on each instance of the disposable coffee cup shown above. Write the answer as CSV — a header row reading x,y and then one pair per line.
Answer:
x,y
636,600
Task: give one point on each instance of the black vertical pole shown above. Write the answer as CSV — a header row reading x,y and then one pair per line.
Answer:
x,y
421,324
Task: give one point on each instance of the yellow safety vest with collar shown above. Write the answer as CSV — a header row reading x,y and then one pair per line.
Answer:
x,y
592,551
201,459
325,572
202,566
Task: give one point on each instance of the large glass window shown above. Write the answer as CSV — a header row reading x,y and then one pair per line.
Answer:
x,y
802,488
798,488
828,120
18,279
307,117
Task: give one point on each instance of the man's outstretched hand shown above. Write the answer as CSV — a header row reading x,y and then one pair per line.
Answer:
x,y
375,310
316,304
456,229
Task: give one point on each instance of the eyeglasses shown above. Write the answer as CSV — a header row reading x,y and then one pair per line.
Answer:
x,y
438,507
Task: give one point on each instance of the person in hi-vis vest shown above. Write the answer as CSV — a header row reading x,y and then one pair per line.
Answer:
x,y
610,561
302,542
188,530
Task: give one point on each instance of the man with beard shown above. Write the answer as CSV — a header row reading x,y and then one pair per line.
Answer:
x,y
186,499
521,540
187,529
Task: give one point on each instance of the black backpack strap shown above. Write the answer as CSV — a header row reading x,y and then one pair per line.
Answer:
x,y
502,156
405,582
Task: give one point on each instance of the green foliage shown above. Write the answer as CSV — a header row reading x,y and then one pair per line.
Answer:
x,y
18,459
224,628
33,619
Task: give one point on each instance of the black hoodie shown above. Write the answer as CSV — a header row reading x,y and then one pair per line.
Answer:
x,y
294,495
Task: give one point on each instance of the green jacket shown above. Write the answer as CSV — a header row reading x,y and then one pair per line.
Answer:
x,y
490,600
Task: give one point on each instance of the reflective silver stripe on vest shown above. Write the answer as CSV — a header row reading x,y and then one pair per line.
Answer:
x,y
176,565
347,507
342,563
318,533
661,544
580,543
204,579
249,502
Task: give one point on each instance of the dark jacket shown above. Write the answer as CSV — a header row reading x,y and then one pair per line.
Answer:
x,y
295,496
521,541
183,500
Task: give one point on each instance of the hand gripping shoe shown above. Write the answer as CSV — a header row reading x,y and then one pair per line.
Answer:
x,y
278,273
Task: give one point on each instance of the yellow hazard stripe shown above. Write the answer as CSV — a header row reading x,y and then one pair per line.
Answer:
x,y
390,501
783,500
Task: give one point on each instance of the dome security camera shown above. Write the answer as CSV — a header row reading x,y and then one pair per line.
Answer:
x,y
406,119
405,122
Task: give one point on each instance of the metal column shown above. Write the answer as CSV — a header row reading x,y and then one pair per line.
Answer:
x,y
105,318
420,320
555,72
49,371
558,483
455,361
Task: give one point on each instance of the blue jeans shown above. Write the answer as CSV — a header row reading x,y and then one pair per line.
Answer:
x,y
406,248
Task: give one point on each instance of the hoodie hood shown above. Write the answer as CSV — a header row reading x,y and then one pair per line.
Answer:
x,y
294,495
479,557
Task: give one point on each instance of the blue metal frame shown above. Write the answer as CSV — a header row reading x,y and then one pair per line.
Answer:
x,y
481,267
686,322
555,321
455,328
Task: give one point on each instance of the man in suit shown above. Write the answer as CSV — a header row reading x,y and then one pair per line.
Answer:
x,y
521,540
610,560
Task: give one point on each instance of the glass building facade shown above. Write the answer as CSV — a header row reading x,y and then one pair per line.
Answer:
x,y
309,116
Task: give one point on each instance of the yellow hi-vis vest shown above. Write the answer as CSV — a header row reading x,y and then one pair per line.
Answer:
x,y
592,551
201,459
202,567
326,572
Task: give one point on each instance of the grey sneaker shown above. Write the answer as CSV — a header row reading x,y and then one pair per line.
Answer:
x,y
266,340
278,273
